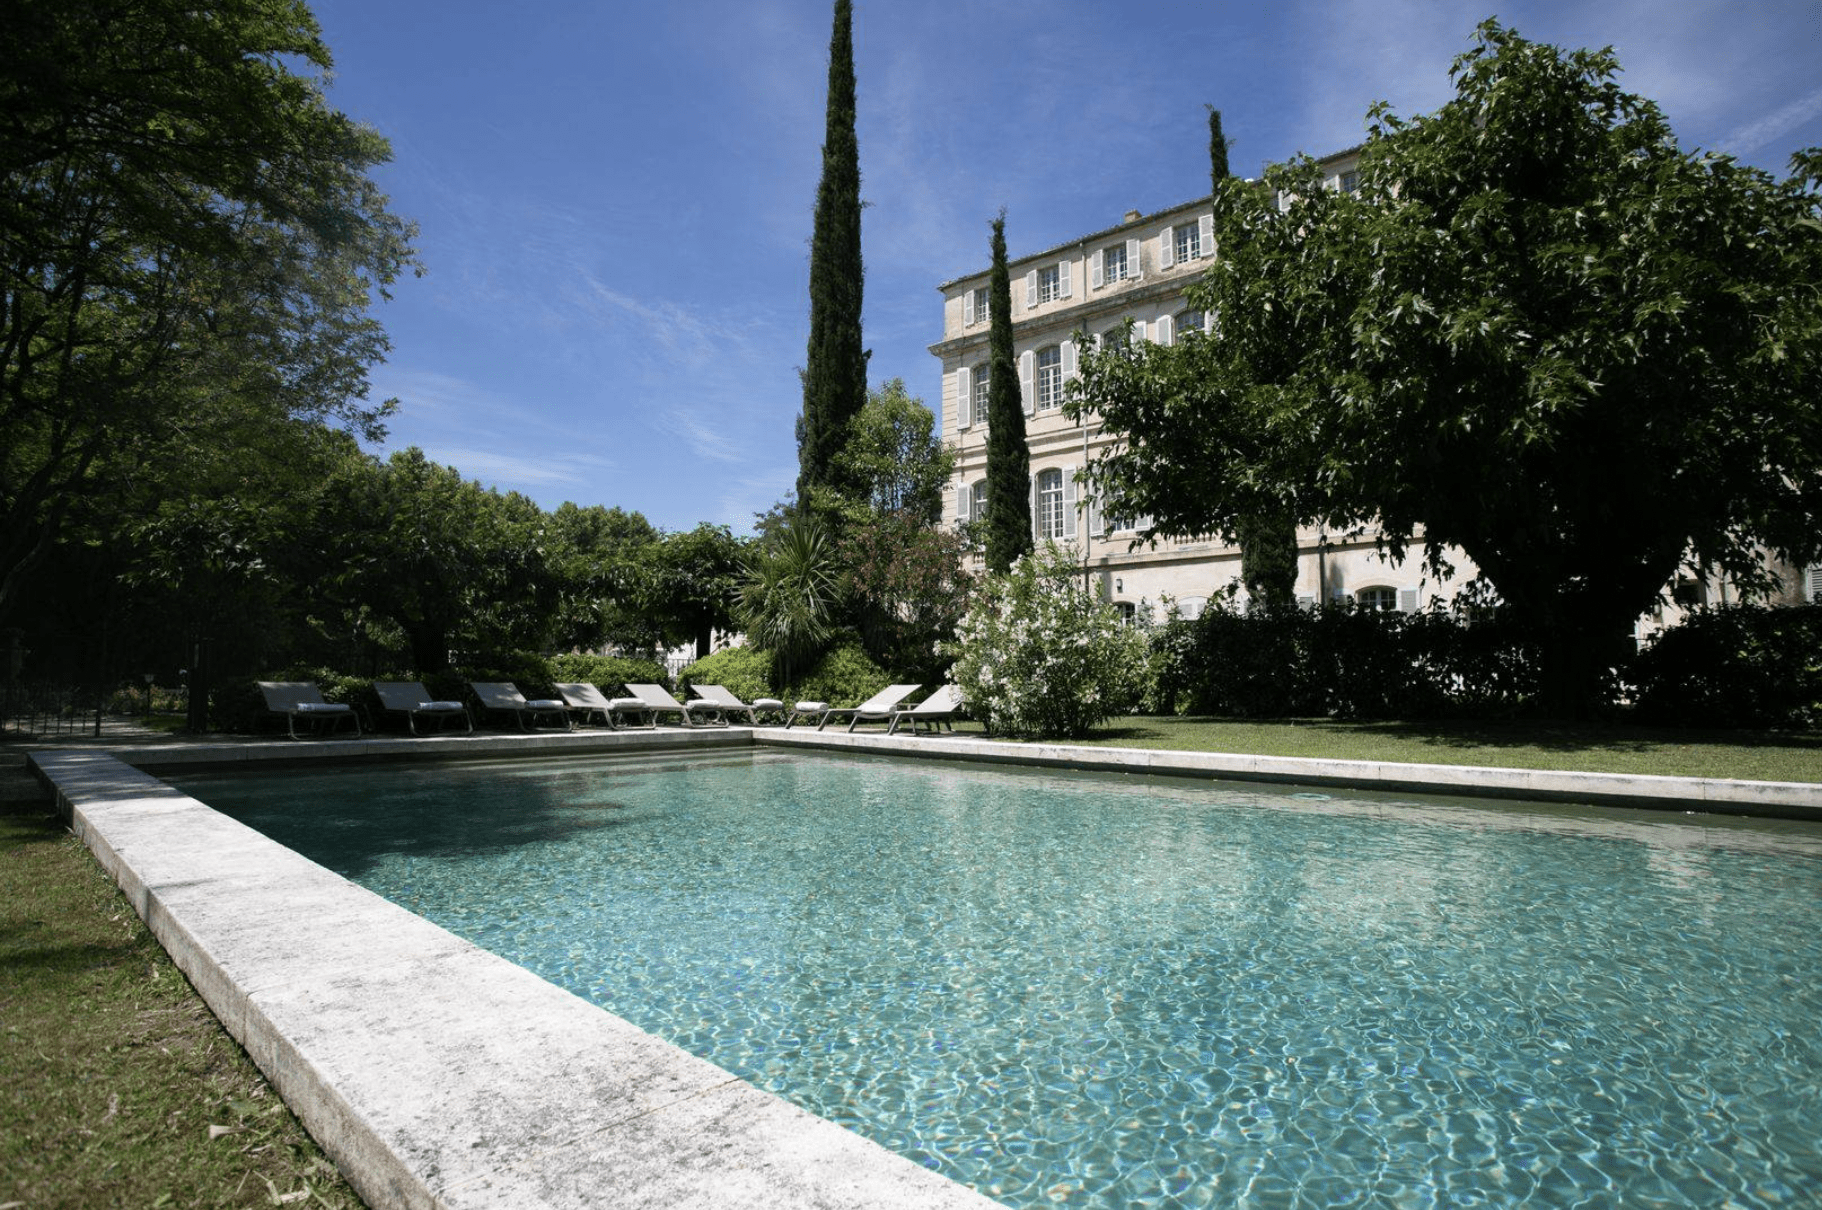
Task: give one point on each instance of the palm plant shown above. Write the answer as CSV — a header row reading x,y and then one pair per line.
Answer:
x,y
790,593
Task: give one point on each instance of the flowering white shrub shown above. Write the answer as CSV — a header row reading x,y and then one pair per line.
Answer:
x,y
1037,655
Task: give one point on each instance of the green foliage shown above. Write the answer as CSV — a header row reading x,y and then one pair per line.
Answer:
x,y
835,370
744,671
1734,666
192,242
1540,333
1268,558
606,561
607,673
1344,661
893,459
907,589
690,584
844,676
1009,535
790,595
449,562
1038,655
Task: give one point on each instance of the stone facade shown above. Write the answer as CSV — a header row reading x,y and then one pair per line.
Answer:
x,y
1134,271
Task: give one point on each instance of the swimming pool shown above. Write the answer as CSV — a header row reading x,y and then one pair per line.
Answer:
x,y
1121,992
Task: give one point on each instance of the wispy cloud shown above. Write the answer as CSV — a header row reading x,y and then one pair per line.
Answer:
x,y
524,473
1773,126
703,441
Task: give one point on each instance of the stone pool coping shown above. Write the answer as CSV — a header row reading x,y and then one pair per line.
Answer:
x,y
437,1075
433,1073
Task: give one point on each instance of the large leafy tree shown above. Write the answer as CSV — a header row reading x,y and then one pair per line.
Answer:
x,y
1540,333
186,229
893,458
606,560
835,372
1008,458
446,561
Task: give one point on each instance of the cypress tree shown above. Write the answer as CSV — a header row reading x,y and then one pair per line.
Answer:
x,y
1268,541
1008,459
1217,149
835,370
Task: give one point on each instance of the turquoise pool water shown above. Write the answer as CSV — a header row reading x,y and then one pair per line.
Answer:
x,y
1121,992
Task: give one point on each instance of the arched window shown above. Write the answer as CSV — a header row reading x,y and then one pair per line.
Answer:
x,y
1378,597
979,500
1190,323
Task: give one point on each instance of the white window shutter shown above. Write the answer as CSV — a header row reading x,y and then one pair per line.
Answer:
x,y
1037,521
1813,582
961,500
1167,330
1306,600
1097,524
1068,350
1205,235
1031,290
1063,290
1138,331
1208,321
1407,600
964,397
1069,502
1132,259
1167,248
1027,366
1097,272
967,308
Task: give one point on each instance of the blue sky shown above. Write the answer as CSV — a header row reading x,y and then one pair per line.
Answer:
x,y
615,198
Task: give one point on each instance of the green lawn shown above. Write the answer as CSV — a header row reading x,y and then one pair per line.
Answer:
x,y
1589,747
120,1088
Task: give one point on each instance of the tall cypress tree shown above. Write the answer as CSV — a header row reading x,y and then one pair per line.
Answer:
x,y
835,372
1268,541
1008,458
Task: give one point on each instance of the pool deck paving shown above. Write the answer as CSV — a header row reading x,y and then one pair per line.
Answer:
x,y
438,1075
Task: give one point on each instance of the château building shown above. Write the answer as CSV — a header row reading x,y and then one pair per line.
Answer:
x,y
1134,271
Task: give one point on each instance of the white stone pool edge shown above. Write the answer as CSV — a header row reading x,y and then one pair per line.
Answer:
x,y
438,1075
433,1073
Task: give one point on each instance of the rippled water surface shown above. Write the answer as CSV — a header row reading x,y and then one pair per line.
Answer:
x,y
1102,991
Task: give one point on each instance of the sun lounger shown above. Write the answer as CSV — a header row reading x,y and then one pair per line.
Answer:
x,y
411,699
504,697
881,705
725,702
302,700
583,701
655,700
936,711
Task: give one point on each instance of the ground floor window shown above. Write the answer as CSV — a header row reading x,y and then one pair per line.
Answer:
x,y
1381,598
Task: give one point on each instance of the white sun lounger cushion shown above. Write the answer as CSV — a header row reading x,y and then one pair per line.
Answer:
x,y
626,703
546,703
439,705
809,707
767,703
321,707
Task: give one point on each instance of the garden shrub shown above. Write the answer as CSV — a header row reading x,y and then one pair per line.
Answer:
x,y
743,671
1734,666
1037,655
607,672
1343,661
845,676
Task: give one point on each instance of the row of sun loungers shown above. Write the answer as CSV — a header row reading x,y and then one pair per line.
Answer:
x,y
300,702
